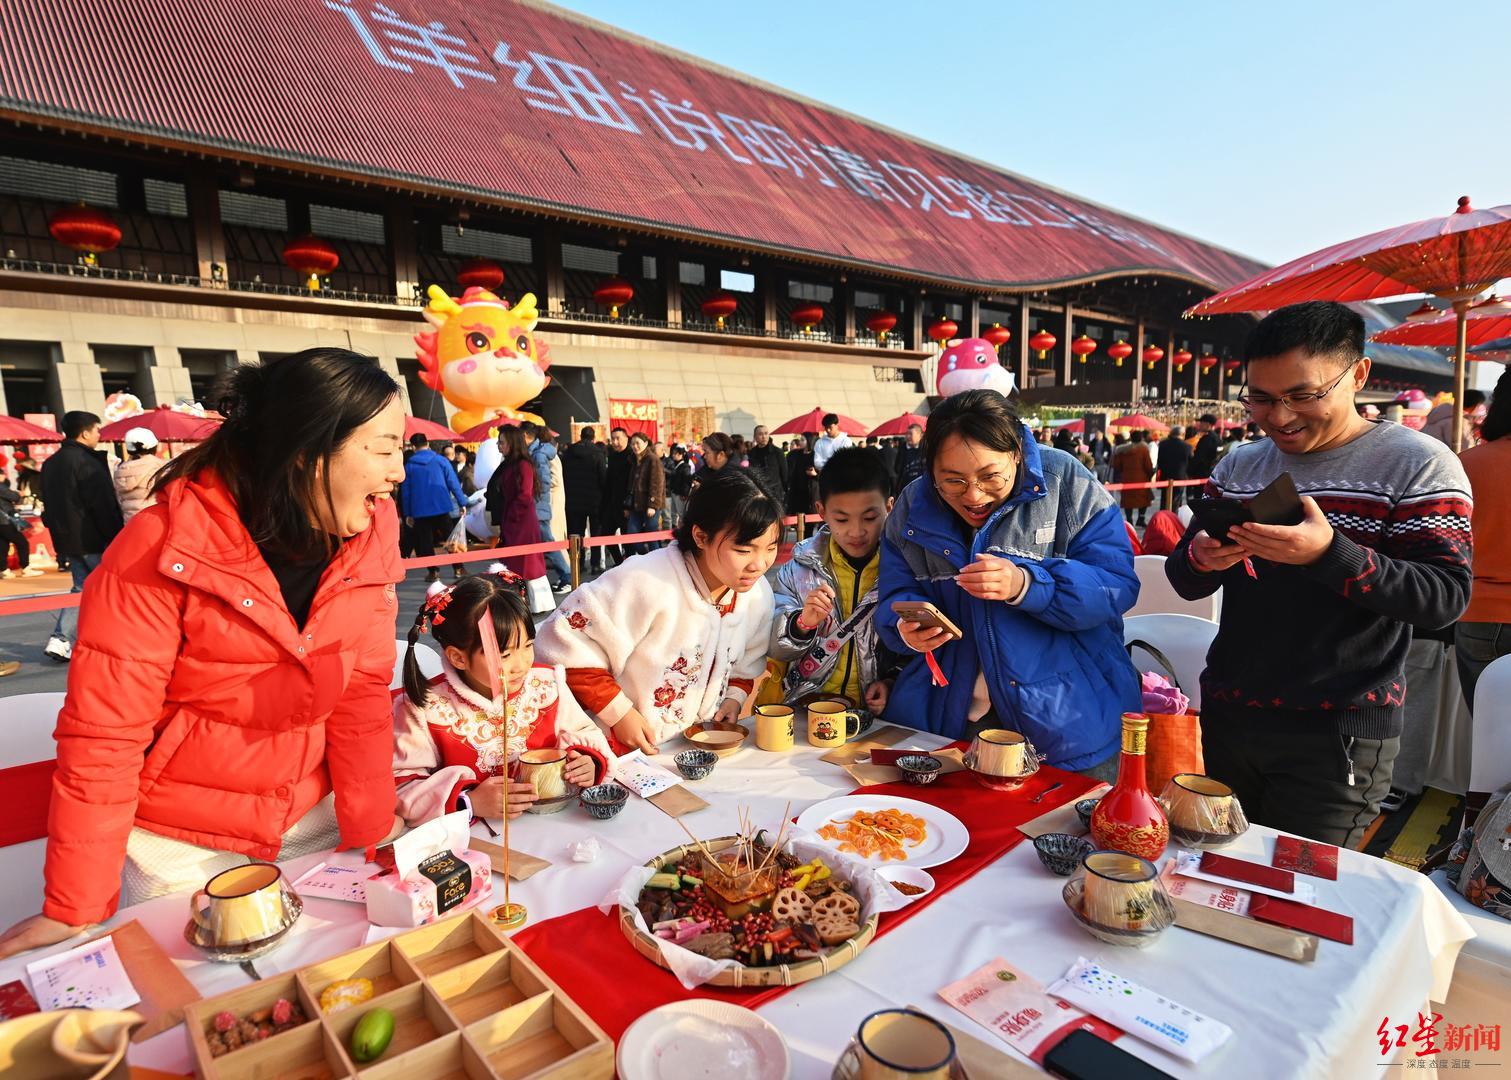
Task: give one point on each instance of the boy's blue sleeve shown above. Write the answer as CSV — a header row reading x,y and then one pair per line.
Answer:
x,y
895,582
1092,585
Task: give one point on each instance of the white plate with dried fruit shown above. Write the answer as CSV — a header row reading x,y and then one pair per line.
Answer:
x,y
882,831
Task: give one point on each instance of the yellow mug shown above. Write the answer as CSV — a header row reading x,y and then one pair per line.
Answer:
x,y
242,904
774,727
903,1044
830,724
544,770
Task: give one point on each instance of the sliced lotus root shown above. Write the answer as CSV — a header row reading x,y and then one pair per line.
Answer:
x,y
838,903
792,905
835,929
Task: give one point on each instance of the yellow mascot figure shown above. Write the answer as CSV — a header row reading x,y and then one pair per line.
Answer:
x,y
482,356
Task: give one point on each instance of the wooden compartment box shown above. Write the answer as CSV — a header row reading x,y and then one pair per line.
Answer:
x,y
467,1005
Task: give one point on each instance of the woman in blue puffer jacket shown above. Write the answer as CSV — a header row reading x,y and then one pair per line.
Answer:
x,y
1022,548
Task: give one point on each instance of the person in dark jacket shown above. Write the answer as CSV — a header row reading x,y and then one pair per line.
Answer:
x,y
584,473
769,465
647,492
1205,454
81,512
616,489
1175,463
910,464
802,481
679,483
430,494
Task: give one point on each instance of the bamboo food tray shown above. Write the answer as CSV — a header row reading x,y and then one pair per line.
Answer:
x,y
738,974
467,1003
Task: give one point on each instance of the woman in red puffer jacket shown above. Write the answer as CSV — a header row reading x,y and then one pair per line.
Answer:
x,y
228,695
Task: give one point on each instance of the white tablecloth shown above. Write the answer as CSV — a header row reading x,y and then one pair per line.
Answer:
x,y
1289,1019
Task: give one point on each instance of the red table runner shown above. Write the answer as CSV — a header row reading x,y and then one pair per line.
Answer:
x,y
588,956
28,793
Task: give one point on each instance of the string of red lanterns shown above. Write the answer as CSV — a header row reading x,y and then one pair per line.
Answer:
x,y
881,324
1042,342
1153,354
807,316
942,329
1181,358
1120,351
997,335
480,274
1207,363
86,229
719,307
1083,347
613,293
311,256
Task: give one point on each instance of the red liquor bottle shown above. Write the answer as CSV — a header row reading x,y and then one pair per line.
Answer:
x,y
1128,818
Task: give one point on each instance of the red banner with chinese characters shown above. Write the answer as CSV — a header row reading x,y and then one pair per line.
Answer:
x,y
634,415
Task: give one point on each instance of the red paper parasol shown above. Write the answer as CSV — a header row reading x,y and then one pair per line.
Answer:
x,y
17,432
413,426
168,424
1139,420
1454,257
488,430
1489,320
814,421
898,425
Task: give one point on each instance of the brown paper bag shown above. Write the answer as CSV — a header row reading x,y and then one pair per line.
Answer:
x,y
867,775
677,801
164,989
889,735
521,866
1241,930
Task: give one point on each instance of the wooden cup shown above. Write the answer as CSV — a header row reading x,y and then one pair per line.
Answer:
x,y
903,1044
774,727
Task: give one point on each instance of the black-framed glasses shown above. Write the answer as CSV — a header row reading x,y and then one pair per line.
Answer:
x,y
1300,402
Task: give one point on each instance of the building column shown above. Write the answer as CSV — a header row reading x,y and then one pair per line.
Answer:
x,y
915,331
671,282
78,378
766,284
847,312
204,215
167,376
403,252
555,279
1023,336
1065,354
972,326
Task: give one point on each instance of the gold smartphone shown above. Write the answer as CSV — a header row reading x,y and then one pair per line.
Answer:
x,y
926,614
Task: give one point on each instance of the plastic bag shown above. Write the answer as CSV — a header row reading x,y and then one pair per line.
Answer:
x,y
456,540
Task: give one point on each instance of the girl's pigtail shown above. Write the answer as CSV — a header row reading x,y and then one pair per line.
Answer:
x,y
414,681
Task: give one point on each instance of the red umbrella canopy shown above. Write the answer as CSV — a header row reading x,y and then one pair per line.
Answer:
x,y
899,425
413,425
487,430
168,424
1443,331
1139,420
14,432
814,421
1457,256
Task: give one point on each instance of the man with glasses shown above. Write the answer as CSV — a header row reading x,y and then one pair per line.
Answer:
x,y
1304,686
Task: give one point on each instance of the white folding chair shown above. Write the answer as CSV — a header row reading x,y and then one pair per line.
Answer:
x,y
1158,597
1183,639
26,736
1490,743
428,659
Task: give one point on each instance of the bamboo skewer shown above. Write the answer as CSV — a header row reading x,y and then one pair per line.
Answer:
x,y
706,853
777,844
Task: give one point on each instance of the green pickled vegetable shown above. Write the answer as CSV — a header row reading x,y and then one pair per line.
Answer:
x,y
667,881
372,1035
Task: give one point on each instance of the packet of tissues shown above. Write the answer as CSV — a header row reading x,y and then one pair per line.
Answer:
x,y
434,874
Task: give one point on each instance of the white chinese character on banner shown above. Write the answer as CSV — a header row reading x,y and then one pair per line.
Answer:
x,y
429,44
910,179
987,206
859,175
696,124
1047,214
788,147
577,92
754,141
629,93
537,97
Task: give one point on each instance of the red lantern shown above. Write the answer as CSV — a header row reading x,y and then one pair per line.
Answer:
x,y
1043,341
1232,366
614,293
85,229
1083,347
807,316
997,334
480,274
1153,354
1207,363
1181,358
1120,351
718,307
942,329
313,256
880,323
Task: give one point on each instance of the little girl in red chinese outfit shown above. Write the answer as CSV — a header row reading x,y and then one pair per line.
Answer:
x,y
453,740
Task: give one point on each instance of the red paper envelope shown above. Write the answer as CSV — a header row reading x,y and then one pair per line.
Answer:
x,y
16,1000
1303,917
1306,857
1253,873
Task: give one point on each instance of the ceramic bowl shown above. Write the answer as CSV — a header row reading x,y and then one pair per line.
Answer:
x,y
1074,895
696,764
1084,809
1061,853
722,738
919,769
604,801
911,875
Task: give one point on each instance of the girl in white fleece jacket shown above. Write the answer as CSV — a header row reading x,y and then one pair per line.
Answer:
x,y
679,634
454,742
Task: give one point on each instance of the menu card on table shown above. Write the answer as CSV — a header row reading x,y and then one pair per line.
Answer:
x,y
1016,1008
90,976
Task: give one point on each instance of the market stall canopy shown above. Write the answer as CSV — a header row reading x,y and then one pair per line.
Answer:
x,y
899,425
1139,420
814,421
414,425
167,423
1489,320
587,121
17,432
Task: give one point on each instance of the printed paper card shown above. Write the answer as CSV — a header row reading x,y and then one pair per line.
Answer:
x,y
1306,857
88,977
1228,898
335,883
1016,1008
1188,864
644,778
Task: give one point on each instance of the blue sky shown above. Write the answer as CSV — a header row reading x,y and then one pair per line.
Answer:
x,y
1273,129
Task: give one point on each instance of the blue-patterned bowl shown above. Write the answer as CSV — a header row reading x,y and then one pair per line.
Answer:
x,y
919,769
696,764
604,801
1061,853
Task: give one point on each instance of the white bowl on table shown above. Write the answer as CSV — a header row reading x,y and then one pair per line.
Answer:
x,y
911,875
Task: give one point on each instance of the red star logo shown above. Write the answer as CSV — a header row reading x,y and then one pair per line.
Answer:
x,y
1371,696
